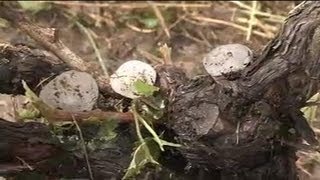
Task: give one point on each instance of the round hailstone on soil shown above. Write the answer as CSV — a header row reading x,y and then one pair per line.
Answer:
x,y
227,59
71,91
122,81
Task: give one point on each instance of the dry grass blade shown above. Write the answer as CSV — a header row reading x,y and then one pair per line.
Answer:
x,y
188,35
94,46
166,53
84,148
218,21
237,132
242,5
204,39
268,29
135,5
25,163
259,13
150,56
108,21
316,130
44,80
251,22
179,19
299,166
227,23
272,18
160,18
135,28
254,12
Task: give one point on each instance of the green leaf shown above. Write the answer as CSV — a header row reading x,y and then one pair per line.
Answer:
x,y
144,89
3,23
156,138
145,153
45,110
166,143
150,22
107,129
28,113
310,112
29,93
34,6
153,107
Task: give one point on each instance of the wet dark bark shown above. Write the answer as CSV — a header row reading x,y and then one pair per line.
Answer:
x,y
251,138
261,105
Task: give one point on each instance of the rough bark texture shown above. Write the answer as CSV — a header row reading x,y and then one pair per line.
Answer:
x,y
250,139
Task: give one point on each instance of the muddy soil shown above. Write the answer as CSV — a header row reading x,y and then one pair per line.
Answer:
x,y
118,43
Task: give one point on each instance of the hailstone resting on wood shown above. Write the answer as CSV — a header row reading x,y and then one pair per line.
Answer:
x,y
227,60
71,91
122,81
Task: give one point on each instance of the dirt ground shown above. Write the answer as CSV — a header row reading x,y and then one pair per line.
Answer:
x,y
119,37
124,31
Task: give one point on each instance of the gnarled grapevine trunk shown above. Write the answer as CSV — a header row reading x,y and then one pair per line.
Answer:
x,y
249,139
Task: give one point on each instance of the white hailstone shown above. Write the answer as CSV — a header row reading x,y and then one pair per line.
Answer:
x,y
227,59
122,81
71,91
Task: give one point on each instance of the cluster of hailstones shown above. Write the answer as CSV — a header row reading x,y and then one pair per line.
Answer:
x,y
78,91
